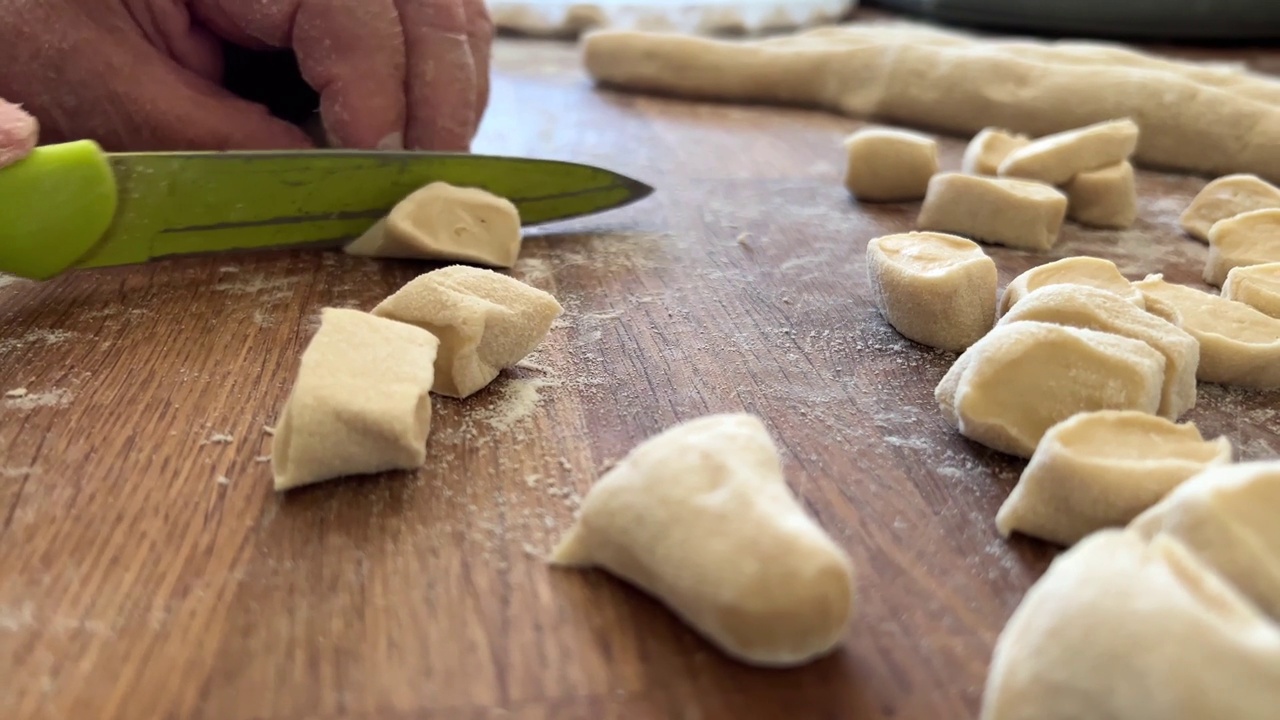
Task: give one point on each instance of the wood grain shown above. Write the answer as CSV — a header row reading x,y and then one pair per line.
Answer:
x,y
136,584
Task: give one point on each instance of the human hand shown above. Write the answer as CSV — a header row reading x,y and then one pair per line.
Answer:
x,y
18,132
145,74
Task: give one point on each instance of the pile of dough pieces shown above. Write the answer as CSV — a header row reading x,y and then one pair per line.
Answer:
x,y
361,402
1011,190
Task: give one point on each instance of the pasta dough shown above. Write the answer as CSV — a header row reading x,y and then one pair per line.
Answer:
x,y
361,402
1227,197
1227,516
995,210
1257,286
889,165
700,517
938,290
1055,159
485,322
1238,345
1093,309
1105,198
988,149
1227,122
444,222
1125,629
1251,238
1021,379
1080,270
1100,469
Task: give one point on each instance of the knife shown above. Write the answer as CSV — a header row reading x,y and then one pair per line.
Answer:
x,y
73,206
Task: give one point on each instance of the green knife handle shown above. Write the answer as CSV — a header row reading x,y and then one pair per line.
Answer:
x,y
55,205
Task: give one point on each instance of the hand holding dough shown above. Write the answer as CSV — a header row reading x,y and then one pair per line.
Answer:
x,y
1226,197
700,517
1227,516
938,290
1100,469
1251,238
1079,270
1125,629
485,322
360,404
1257,286
887,165
1002,211
1055,159
443,222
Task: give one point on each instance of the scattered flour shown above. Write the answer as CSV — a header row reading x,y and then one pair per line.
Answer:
x,y
219,439
515,402
55,398
35,338
17,393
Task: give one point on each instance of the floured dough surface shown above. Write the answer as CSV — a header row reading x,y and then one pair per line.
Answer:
x,y
1056,159
936,289
1127,629
1227,516
886,165
1093,309
1106,198
1023,378
988,149
1238,344
1227,197
444,222
1080,270
485,321
700,517
1251,238
360,403
1100,469
1001,211
1257,286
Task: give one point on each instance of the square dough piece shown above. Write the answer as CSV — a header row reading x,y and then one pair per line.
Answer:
x,y
1257,286
889,165
361,402
485,321
1226,197
988,149
1055,159
1002,211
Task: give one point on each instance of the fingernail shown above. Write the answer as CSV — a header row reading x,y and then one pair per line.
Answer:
x,y
394,141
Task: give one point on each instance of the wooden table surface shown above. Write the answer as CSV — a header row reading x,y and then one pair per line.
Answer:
x,y
148,570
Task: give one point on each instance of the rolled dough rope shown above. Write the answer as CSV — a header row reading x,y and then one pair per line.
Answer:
x,y
938,290
1002,211
988,149
1078,270
700,516
1101,469
1251,238
960,88
887,165
1226,515
1122,628
1227,197
1105,198
1257,286
1056,159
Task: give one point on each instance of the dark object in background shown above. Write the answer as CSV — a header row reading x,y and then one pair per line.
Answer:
x,y
1217,21
272,78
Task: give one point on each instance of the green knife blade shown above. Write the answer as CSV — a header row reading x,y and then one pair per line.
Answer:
x,y
165,204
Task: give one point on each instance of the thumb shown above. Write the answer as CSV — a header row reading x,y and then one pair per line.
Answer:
x,y
18,133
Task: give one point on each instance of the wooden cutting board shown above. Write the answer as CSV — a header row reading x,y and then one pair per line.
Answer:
x,y
147,570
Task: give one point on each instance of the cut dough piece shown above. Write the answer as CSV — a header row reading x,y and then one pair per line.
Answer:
x,y
1238,345
1081,270
1227,197
995,210
1101,469
1055,159
1105,198
949,83
1227,516
1093,309
700,517
988,149
361,403
443,222
1021,379
1251,238
938,290
485,322
889,165
1123,629
1257,286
